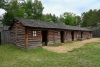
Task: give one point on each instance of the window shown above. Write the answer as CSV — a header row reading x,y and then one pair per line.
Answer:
x,y
34,33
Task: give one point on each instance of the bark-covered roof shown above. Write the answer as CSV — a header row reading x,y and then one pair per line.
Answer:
x,y
42,24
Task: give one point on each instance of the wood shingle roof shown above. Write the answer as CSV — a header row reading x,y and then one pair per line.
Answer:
x,y
42,24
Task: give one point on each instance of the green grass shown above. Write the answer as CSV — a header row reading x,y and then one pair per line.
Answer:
x,y
86,56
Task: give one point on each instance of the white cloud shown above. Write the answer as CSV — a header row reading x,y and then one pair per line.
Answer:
x,y
76,6
2,11
58,7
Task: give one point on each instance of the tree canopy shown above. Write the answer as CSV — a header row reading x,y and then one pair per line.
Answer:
x,y
91,18
50,18
26,9
34,10
70,18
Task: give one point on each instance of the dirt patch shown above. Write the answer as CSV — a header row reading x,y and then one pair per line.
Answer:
x,y
66,47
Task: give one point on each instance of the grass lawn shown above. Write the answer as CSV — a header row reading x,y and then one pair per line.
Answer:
x,y
86,56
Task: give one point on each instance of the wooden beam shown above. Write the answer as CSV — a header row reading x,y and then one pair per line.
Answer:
x,y
26,37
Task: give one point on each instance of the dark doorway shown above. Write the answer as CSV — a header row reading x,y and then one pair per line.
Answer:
x,y
72,33
44,37
81,34
62,36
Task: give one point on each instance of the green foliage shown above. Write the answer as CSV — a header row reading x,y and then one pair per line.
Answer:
x,y
16,9
33,10
50,18
3,4
78,20
70,18
13,10
55,19
91,18
26,9
37,9
86,56
7,18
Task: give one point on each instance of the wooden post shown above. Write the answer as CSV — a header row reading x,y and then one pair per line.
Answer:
x,y
53,36
26,37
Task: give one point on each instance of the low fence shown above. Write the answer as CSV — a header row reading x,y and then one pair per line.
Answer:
x,y
96,32
5,37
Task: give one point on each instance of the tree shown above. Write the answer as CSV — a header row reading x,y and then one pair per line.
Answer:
x,y
37,9
50,18
54,18
12,10
47,18
7,18
33,10
91,18
78,20
70,18
15,8
26,9
2,4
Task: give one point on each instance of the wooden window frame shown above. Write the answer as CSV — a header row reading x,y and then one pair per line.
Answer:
x,y
34,33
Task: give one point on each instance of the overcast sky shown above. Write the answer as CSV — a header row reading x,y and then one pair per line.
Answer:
x,y
58,7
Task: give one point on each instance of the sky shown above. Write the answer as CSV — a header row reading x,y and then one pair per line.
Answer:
x,y
58,7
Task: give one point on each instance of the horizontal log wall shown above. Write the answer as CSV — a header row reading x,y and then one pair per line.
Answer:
x,y
86,35
34,41
51,39
17,35
89,34
78,34
57,36
75,35
68,36
54,36
65,36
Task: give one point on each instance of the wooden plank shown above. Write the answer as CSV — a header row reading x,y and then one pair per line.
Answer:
x,y
5,37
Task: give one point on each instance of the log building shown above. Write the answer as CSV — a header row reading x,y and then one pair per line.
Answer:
x,y
27,33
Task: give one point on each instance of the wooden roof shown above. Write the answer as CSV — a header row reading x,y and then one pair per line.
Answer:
x,y
42,24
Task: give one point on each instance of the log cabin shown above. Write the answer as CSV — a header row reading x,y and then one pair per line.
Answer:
x,y
27,33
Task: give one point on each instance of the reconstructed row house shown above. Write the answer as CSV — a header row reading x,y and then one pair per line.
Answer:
x,y
27,33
